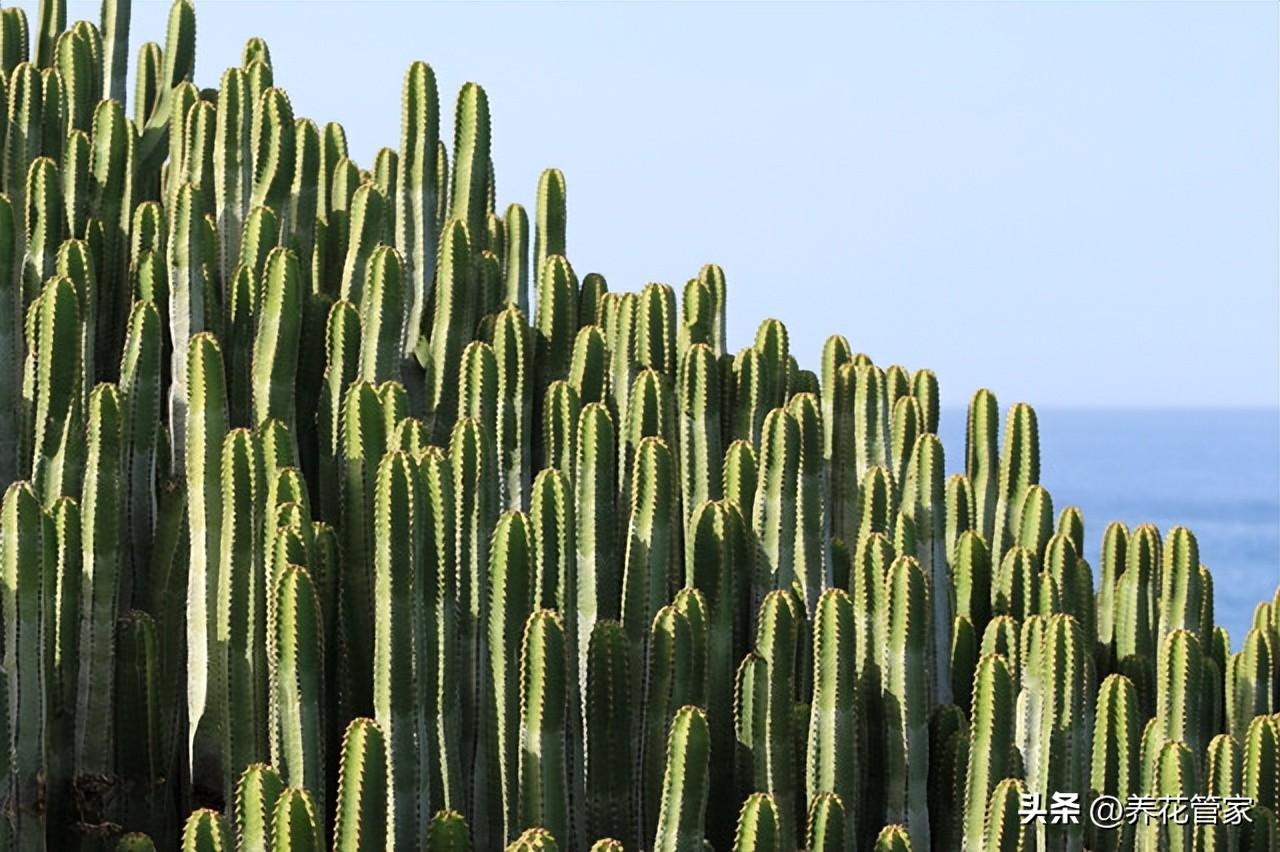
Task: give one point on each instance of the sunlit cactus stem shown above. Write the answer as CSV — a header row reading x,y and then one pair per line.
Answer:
x,y
685,784
26,558
361,824
905,697
544,781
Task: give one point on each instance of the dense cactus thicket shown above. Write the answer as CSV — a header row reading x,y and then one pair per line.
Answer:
x,y
343,512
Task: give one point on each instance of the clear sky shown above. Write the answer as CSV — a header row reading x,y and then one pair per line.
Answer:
x,y
1070,203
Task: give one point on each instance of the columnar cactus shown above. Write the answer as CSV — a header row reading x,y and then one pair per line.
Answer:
x,y
905,698
775,745
1114,770
256,793
362,789
991,746
685,784
833,720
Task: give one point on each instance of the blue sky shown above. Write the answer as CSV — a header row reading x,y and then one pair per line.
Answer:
x,y
1075,204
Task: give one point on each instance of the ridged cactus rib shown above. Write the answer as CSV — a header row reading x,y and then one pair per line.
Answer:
x,y
296,822
991,748
813,573
668,676
1006,830
1251,682
1115,544
241,609
1019,470
923,501
561,411
471,163
716,545
1114,768
893,838
58,412
26,558
597,589
960,512
550,215
299,662
588,364
275,347
758,825
513,348
543,776
905,697
685,784
400,632
256,793
1057,682
608,703
274,145
450,323
206,831
534,840
516,262
775,757
774,515
834,717
206,429
361,824
650,564
656,329
509,606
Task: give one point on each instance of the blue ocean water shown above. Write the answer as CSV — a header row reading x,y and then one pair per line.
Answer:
x,y
1215,471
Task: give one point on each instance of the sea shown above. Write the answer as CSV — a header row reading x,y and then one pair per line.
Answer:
x,y
1214,471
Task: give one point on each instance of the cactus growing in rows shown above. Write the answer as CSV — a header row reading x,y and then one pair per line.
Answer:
x,y
469,568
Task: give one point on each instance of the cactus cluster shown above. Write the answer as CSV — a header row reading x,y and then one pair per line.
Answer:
x,y
342,512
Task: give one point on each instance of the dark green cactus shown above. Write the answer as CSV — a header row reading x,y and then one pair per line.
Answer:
x,y
361,823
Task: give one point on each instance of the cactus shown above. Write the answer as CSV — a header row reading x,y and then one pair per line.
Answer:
x,y
450,327
991,746
1019,470
400,629
299,701
362,789
1114,769
758,825
1006,831
507,609
905,697
318,538
774,515
448,832
206,831
543,779
607,732
684,784
295,825
1057,683
774,745
25,554
256,793
833,721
